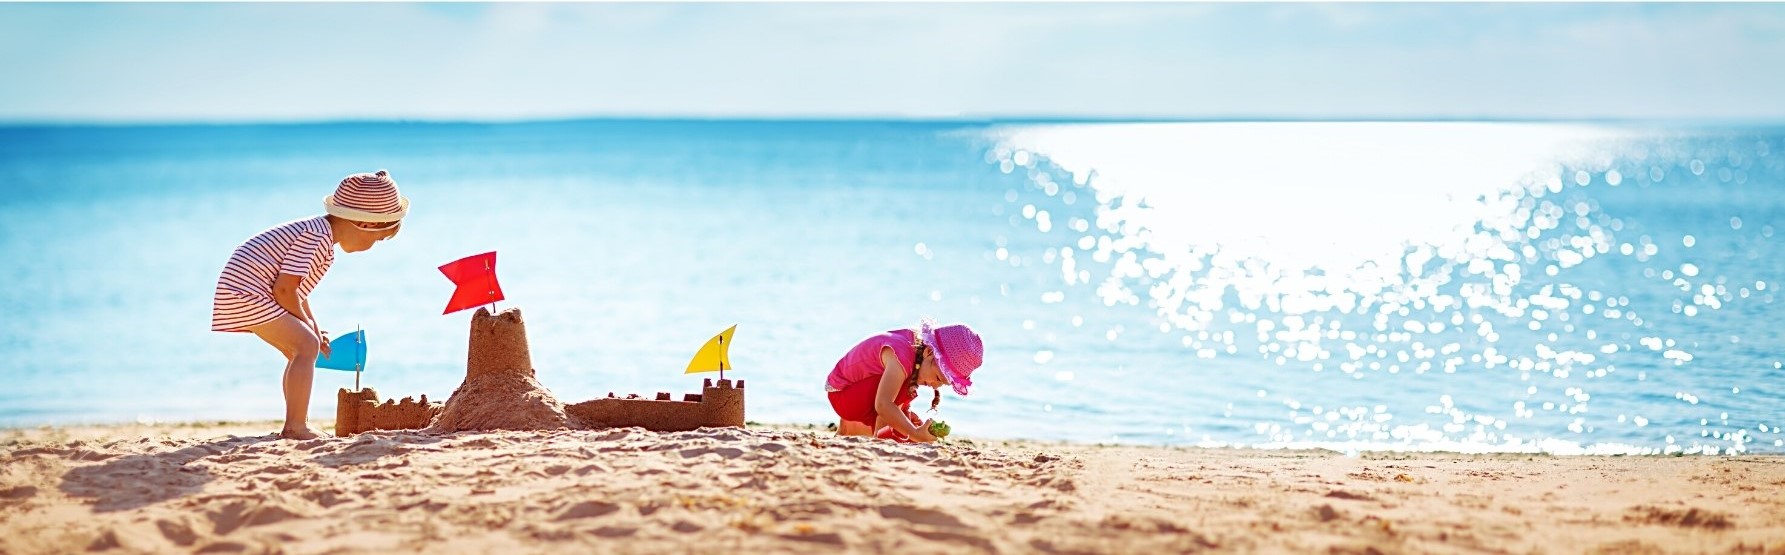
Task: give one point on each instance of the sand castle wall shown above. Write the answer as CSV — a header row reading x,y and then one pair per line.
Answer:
x,y
500,392
360,411
715,406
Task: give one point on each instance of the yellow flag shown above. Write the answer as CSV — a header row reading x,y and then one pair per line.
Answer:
x,y
715,355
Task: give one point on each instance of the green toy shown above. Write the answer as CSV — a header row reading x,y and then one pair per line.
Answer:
x,y
939,429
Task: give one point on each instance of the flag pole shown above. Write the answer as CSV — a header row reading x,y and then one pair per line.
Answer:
x,y
359,358
492,292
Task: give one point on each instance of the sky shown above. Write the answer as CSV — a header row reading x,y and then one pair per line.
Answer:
x,y
79,63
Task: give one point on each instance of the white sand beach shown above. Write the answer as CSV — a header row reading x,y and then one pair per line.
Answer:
x,y
233,487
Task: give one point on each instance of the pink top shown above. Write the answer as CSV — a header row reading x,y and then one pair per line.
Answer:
x,y
863,361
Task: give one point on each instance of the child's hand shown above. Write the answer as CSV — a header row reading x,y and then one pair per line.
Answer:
x,y
923,433
324,336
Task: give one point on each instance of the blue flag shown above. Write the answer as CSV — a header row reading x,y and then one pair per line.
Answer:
x,y
348,353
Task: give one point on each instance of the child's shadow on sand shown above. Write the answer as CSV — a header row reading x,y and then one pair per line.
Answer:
x,y
369,447
132,481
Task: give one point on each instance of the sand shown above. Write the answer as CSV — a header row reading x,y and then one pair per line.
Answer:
x,y
501,390
234,488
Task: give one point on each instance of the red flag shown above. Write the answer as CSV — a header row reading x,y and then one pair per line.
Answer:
x,y
475,277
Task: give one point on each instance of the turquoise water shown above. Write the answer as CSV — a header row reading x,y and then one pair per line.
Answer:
x,y
1507,287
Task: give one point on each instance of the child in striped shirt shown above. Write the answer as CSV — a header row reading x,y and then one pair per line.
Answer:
x,y
265,287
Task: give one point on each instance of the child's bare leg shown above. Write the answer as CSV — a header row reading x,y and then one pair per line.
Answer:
x,y
884,423
853,428
299,345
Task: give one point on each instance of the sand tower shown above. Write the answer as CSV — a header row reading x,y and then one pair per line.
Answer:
x,y
500,391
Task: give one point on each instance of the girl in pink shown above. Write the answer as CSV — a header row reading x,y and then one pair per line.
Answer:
x,y
265,287
872,386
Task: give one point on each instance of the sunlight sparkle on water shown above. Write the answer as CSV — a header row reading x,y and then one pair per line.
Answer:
x,y
1375,248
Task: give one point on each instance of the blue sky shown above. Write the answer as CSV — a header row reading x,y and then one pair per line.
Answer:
x,y
301,62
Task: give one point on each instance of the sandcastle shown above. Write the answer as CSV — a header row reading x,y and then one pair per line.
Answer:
x,y
501,392
359,411
715,406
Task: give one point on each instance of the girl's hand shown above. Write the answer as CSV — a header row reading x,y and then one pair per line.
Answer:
x,y
324,345
923,433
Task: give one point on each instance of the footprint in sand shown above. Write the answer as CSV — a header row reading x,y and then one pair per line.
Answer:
x,y
244,513
326,496
1144,524
615,531
917,515
974,540
614,434
1348,495
588,509
223,547
131,537
724,452
89,455
52,451
178,531
831,538
1689,518
312,445
232,457
1326,513
20,492
481,443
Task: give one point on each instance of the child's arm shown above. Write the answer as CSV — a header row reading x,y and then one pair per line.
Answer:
x,y
891,382
321,336
285,292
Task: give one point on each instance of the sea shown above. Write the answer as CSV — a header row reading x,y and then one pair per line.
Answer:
x,y
1553,287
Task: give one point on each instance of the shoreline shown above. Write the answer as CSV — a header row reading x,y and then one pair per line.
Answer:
x,y
230,487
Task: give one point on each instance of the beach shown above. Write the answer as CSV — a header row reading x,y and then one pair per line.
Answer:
x,y
233,487
1370,278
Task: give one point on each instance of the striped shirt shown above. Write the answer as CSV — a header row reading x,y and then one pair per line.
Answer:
x,y
244,298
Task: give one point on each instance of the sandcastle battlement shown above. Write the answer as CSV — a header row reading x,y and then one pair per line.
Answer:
x,y
500,392
719,405
360,411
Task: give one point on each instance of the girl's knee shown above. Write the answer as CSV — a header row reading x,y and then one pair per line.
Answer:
x,y
853,428
306,347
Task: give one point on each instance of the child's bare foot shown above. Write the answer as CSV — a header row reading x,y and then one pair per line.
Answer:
x,y
306,433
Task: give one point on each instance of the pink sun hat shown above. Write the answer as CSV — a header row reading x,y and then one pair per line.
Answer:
x,y
367,197
958,350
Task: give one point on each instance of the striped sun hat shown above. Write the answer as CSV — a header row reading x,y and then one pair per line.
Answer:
x,y
367,197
